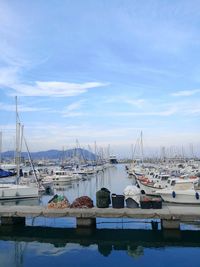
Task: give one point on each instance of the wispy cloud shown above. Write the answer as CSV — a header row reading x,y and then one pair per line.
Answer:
x,y
186,92
73,110
8,76
137,102
55,88
21,108
164,113
75,105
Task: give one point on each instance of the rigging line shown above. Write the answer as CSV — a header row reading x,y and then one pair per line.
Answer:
x,y
29,155
31,161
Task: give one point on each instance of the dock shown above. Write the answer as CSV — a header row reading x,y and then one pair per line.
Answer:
x,y
169,216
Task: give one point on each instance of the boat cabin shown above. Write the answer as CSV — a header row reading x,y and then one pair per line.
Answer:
x,y
180,184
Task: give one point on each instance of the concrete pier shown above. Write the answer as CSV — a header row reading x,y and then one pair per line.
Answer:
x,y
170,216
85,222
13,221
170,224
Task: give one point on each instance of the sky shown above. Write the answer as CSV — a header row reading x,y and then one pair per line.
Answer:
x,y
101,70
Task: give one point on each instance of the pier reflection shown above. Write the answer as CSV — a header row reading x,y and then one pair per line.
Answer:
x,y
132,241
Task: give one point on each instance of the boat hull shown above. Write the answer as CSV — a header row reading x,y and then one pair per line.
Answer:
x,y
17,192
180,197
147,189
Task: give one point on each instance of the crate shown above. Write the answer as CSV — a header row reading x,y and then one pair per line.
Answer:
x,y
156,203
117,201
145,204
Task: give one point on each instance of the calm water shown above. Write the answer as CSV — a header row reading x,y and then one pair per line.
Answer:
x,y
46,242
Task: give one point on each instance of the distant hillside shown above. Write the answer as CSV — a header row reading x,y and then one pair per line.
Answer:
x,y
54,154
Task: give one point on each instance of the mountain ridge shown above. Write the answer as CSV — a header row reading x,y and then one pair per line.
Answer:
x,y
54,154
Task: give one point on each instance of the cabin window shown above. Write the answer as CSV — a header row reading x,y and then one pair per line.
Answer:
x,y
173,183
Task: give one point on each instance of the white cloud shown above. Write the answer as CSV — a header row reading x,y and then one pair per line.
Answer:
x,y
186,92
55,89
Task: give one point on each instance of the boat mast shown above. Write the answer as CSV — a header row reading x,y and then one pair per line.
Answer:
x,y
0,147
141,145
17,138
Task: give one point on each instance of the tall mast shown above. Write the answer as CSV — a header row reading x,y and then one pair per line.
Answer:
x,y
141,144
17,138
0,146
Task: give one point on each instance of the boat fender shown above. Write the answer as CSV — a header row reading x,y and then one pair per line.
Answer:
x,y
197,195
173,194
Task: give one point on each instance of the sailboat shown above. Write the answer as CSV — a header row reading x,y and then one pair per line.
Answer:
x,y
18,191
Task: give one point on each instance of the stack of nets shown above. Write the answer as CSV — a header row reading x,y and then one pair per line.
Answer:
x,y
82,202
58,202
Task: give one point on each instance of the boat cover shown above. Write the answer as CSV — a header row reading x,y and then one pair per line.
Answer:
x,y
4,173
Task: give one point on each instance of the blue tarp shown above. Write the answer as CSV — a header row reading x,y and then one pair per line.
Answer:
x,y
4,173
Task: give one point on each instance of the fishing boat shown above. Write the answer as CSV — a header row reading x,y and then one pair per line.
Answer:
x,y
149,186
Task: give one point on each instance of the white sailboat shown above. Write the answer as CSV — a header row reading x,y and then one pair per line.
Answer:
x,y
17,191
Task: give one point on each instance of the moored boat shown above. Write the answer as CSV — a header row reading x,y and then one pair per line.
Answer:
x,y
182,192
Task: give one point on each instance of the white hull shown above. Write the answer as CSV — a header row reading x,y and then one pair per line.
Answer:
x,y
85,172
181,197
63,178
146,189
11,191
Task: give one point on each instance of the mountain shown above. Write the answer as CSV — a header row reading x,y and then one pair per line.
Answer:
x,y
54,154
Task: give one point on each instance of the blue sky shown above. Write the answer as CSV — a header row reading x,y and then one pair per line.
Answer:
x,y
99,70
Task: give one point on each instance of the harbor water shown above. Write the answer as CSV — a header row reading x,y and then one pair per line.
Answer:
x,y
115,242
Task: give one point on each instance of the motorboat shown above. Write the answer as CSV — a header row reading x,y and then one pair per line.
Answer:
x,y
62,176
149,187
182,192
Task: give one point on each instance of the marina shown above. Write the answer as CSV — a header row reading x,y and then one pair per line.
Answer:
x,y
116,179
31,231
99,133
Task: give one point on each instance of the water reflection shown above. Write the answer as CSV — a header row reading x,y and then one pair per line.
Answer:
x,y
29,244
117,239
